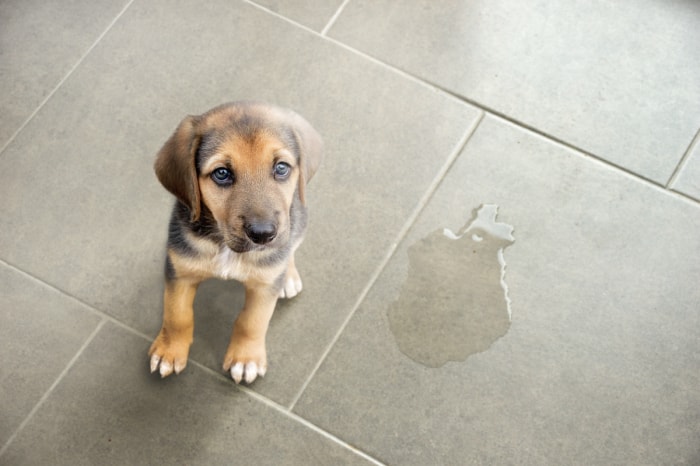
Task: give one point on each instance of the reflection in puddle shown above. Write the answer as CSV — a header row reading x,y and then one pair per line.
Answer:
x,y
454,302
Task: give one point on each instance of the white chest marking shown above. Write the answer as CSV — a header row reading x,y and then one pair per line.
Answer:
x,y
230,265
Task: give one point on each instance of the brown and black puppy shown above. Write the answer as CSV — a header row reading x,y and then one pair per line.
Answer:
x,y
238,172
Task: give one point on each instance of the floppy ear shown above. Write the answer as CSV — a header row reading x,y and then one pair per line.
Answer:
x,y
310,151
175,165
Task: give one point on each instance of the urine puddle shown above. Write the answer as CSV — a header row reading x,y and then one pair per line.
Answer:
x,y
454,302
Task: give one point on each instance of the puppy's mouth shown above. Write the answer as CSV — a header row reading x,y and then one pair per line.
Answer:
x,y
241,245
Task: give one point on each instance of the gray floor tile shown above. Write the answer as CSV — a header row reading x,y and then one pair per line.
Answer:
x,y
40,332
601,362
98,211
40,41
688,180
617,80
109,410
313,14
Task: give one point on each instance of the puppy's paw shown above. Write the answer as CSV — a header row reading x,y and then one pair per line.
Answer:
x,y
292,284
245,361
168,355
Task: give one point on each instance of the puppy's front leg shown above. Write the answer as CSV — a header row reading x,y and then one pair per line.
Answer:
x,y
246,357
292,281
172,345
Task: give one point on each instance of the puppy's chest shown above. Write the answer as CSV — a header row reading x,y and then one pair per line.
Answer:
x,y
229,265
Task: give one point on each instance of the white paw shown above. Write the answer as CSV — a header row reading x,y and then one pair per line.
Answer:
x,y
292,287
165,363
165,368
248,373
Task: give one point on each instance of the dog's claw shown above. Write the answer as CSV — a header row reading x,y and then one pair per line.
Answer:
x,y
251,372
179,367
165,368
237,372
155,359
246,373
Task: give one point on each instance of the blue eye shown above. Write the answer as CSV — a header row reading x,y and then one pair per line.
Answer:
x,y
222,176
282,170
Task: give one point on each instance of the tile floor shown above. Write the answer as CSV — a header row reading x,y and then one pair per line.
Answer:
x,y
578,119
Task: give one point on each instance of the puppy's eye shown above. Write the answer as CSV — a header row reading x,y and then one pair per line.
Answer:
x,y
282,170
222,176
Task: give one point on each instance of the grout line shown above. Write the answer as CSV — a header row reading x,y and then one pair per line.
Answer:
x,y
107,318
485,108
367,57
93,310
282,17
684,160
295,417
48,392
398,71
524,126
65,78
283,411
605,163
265,400
334,18
537,131
422,203
465,100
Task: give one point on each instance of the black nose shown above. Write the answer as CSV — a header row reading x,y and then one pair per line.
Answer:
x,y
261,232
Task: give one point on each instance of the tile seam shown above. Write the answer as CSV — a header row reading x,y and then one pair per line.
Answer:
x,y
259,398
64,79
683,161
53,386
563,143
106,318
423,83
454,96
283,411
684,196
88,307
408,224
598,160
282,17
334,18
306,423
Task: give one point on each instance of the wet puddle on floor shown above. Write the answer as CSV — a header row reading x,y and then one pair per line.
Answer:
x,y
454,302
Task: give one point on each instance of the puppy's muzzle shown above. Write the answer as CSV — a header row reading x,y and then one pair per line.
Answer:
x,y
260,232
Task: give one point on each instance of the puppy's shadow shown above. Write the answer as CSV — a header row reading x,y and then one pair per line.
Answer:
x,y
216,307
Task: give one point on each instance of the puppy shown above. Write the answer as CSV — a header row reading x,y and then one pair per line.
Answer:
x,y
238,172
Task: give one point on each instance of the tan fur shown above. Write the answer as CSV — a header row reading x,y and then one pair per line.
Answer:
x,y
247,230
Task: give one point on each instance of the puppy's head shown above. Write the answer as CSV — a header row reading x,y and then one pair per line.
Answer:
x,y
246,163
